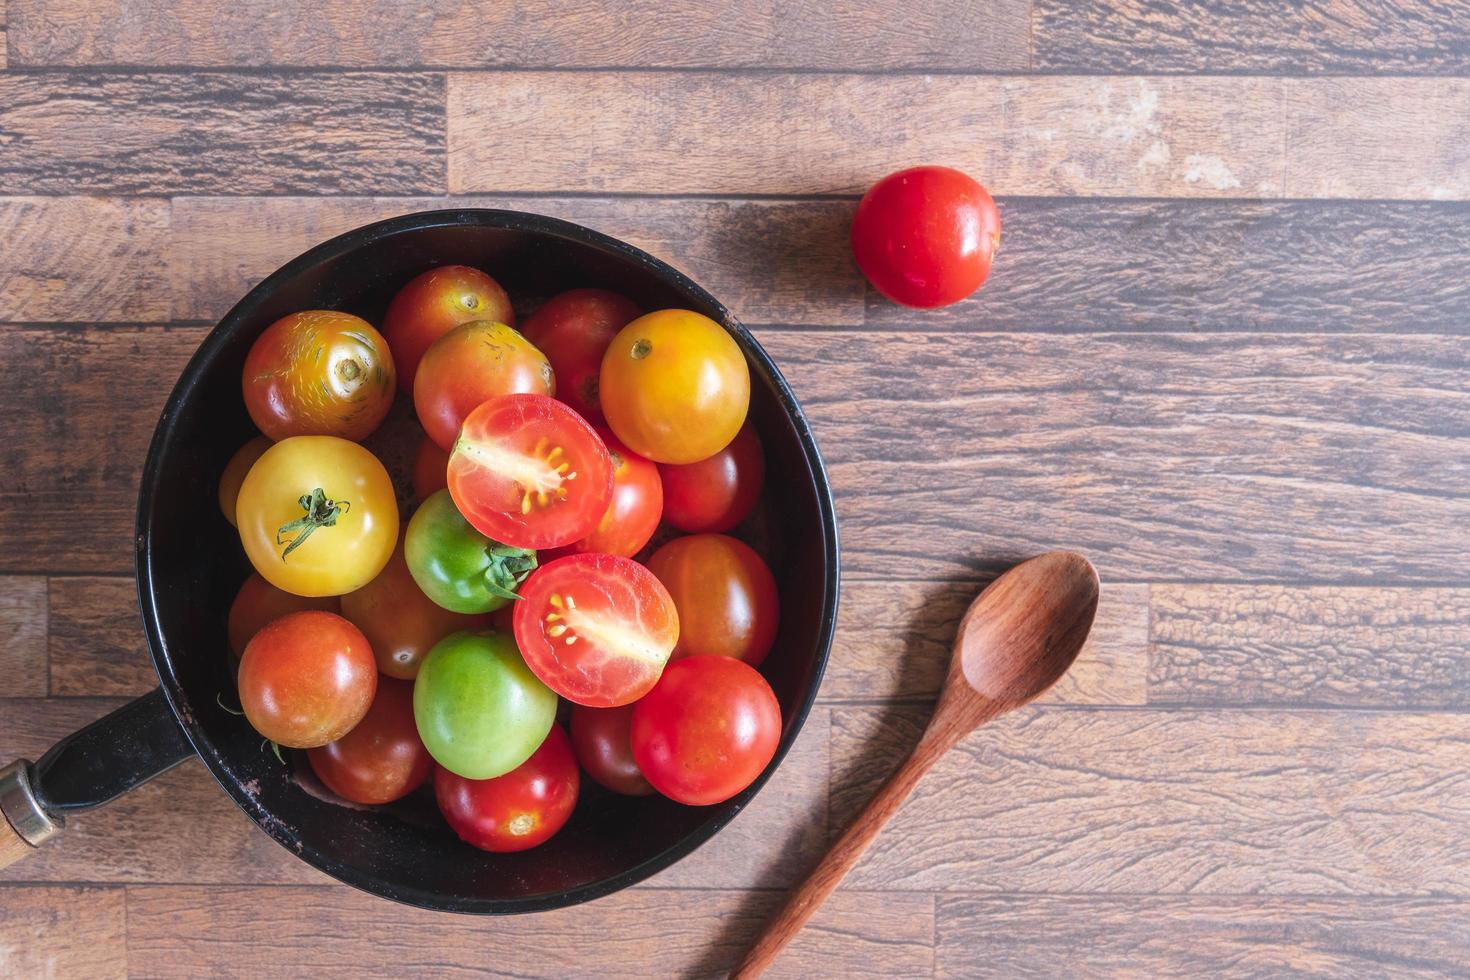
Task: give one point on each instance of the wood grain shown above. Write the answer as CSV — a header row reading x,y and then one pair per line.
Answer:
x,y
768,261
1264,644
1336,36
1124,800
96,639
222,133
1083,937
23,632
483,33
335,932
64,931
73,259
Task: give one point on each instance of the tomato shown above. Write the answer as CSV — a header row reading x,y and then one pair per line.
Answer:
x,y
430,466
234,474
528,471
318,373
479,709
926,236
574,329
597,629
458,567
259,603
307,679
600,739
674,386
519,810
725,595
434,303
471,364
717,493
318,516
382,759
633,515
400,622
706,731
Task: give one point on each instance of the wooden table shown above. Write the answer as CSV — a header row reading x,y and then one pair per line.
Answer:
x,y
1223,352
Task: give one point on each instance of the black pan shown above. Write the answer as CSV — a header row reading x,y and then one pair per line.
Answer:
x,y
189,565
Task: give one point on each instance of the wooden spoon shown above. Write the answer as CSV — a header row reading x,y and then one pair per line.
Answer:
x,y
1017,639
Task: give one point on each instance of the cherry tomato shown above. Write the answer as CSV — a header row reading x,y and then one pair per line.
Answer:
x,y
926,236
707,730
430,468
307,679
674,386
470,364
574,329
234,474
458,567
479,709
259,603
600,739
318,516
400,622
597,629
519,810
382,758
633,515
725,595
434,303
717,493
318,373
528,472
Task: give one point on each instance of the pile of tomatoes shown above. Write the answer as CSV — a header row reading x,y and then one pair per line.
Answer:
x,y
445,648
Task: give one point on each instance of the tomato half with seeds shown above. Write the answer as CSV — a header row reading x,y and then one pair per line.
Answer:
x,y
382,759
633,515
434,303
597,629
573,329
307,679
258,604
318,373
527,471
234,474
716,494
725,594
470,364
519,810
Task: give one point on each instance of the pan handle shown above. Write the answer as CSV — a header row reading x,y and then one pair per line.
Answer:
x,y
86,769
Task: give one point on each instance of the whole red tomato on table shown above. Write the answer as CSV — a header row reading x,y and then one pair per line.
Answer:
x,y
434,303
518,810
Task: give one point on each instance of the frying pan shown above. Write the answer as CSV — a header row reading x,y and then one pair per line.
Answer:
x,y
189,565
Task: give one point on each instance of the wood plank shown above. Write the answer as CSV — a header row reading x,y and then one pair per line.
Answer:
x,y
23,628
1124,800
336,932
1265,644
768,261
1328,459
1323,266
1336,36
223,133
720,133
484,33
1044,935
88,258
893,641
69,931
96,639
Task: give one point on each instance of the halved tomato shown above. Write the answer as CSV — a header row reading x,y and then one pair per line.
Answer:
x,y
597,629
527,471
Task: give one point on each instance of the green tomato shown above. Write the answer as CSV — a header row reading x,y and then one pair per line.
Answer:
x,y
458,567
479,709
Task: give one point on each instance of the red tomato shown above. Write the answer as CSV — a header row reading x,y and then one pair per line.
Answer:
x,y
528,472
430,468
574,329
382,759
600,739
717,493
707,730
519,810
725,595
259,603
633,515
926,236
469,365
434,303
307,679
597,629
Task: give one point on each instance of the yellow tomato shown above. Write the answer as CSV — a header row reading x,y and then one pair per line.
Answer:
x,y
317,516
234,474
674,386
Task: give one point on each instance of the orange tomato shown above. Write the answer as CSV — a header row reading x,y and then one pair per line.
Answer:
x,y
258,604
725,594
234,474
434,303
471,364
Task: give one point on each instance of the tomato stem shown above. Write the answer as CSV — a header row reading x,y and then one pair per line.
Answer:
x,y
508,568
320,512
